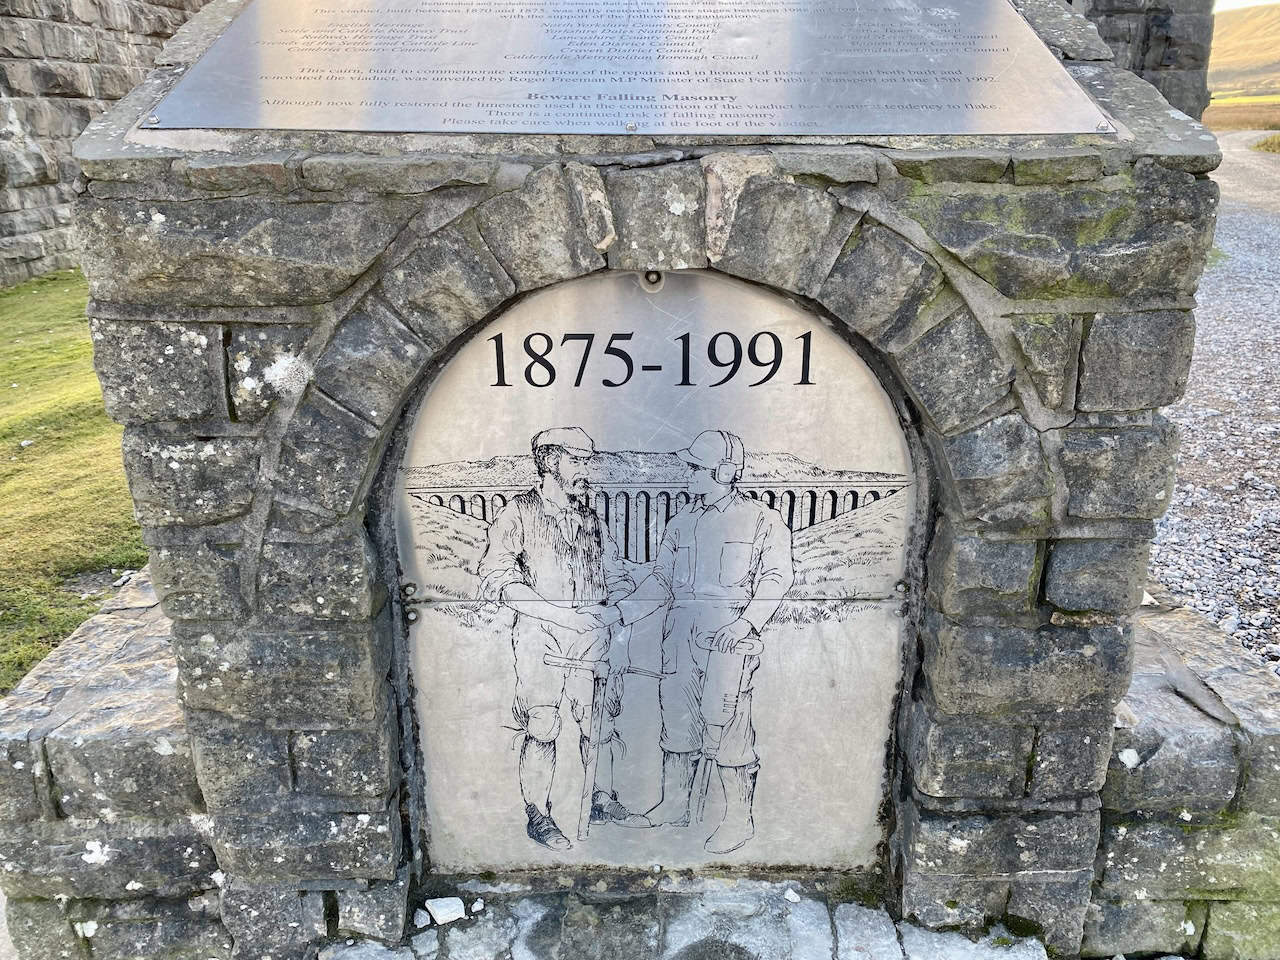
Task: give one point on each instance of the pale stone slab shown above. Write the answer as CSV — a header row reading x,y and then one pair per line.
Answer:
x,y
865,934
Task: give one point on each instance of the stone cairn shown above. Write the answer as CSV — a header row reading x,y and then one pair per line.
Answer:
x,y
267,304
62,62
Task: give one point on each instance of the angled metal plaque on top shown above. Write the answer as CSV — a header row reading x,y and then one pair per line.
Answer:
x,y
733,67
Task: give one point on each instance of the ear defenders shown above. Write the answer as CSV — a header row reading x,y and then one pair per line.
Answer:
x,y
726,472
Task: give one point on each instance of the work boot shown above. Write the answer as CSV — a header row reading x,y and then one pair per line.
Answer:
x,y
542,829
606,808
677,784
737,827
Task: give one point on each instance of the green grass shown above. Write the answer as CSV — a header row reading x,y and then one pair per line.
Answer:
x,y
1269,145
64,505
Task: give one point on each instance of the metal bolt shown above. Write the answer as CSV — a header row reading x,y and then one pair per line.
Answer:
x,y
901,611
153,119
653,278
631,127
409,589
900,586
1104,126
412,616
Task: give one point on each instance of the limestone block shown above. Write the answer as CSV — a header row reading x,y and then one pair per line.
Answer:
x,y
996,464
25,164
263,365
1125,473
113,82
159,371
47,78
101,859
782,235
1187,90
1142,926
319,581
591,203
660,217
198,581
995,671
242,765
1071,165
28,38
371,361
448,283
878,285
1134,361
412,174
18,764
1054,905
865,934
1142,236
271,171
232,252
846,164
941,166
1242,931
920,944
966,757
971,577
736,917
266,921
189,482
998,845
948,901
40,930
536,232
326,455
155,929
381,911
1154,860
1250,693
1065,28
352,768
1105,575
1070,756
954,372
284,849
602,931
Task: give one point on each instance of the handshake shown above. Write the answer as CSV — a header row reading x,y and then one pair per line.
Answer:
x,y
583,619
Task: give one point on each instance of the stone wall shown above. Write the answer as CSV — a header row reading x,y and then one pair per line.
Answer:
x,y
267,304
62,62
1166,42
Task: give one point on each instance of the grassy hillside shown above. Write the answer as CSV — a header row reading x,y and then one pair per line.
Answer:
x,y
64,506
1244,69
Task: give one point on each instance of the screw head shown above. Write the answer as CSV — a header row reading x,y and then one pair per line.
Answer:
x,y
153,119
409,589
412,616
631,127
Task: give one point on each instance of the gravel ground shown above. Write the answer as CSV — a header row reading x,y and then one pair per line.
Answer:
x,y
1218,547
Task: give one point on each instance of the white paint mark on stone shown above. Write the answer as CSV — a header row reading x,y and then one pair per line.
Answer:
x,y
95,852
164,747
791,896
1129,757
445,909
477,906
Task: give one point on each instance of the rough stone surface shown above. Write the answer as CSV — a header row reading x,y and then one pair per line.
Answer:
x,y
160,371
756,919
660,215
1135,361
963,757
1121,473
865,934
382,911
264,365
309,847
188,481
1142,926
273,921
1105,575
919,944
972,577
1050,343
997,466
1242,931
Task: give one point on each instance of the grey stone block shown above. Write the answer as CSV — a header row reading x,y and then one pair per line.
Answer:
x,y
999,845
1238,858
1171,756
997,466
318,581
410,174
159,371
944,900
327,454
591,203
175,481
242,765
154,929
1050,344
954,372
354,767
1105,575
41,930
536,233
1125,473
232,252
288,679
964,757
101,859
970,577
291,849
1242,931
1003,671
879,284
1054,906
1141,927
1135,361
731,918
1065,28
217,172
266,922
865,934
660,215
919,944
604,930
1057,166
780,235
381,911
371,362
450,281
198,581
941,166
265,363
1070,756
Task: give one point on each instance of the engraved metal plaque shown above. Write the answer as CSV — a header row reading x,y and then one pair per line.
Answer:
x,y
651,541
667,67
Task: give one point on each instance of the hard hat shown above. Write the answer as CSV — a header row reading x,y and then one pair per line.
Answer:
x,y
717,450
574,440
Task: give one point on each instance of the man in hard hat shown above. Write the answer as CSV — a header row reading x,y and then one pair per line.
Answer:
x,y
723,567
551,559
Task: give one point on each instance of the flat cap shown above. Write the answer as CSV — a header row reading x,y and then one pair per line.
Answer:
x,y
573,439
